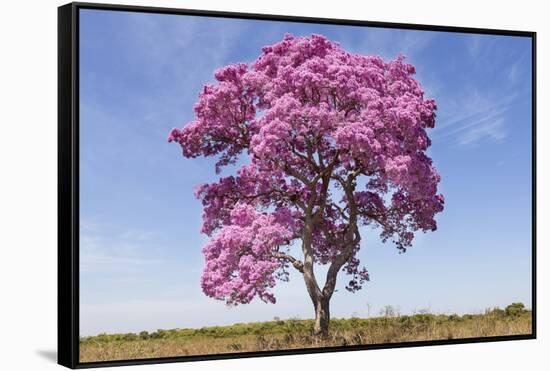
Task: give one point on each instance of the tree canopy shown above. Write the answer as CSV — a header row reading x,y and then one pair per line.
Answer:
x,y
335,141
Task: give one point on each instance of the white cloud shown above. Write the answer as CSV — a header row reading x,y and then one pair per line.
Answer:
x,y
103,250
515,71
480,46
493,129
389,43
474,116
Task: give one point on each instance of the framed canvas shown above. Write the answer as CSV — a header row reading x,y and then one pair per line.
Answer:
x,y
241,185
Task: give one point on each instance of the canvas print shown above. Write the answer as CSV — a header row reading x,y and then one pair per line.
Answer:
x,y
266,185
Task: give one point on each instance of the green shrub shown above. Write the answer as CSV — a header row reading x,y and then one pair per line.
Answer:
x,y
455,318
514,309
159,334
424,318
130,337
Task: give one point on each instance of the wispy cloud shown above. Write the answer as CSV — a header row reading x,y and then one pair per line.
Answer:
x,y
515,71
151,53
474,114
389,43
493,129
481,47
106,249
475,117
474,44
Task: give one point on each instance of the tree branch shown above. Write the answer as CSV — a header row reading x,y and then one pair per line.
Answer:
x,y
350,239
295,262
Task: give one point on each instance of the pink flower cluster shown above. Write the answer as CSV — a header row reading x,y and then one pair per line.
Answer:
x,y
313,119
239,258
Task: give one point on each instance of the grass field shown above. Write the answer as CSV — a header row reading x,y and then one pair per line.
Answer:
x,y
294,333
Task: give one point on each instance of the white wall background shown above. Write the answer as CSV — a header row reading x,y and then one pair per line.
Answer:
x,y
28,181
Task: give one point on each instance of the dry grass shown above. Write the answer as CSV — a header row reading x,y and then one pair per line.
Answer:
x,y
292,334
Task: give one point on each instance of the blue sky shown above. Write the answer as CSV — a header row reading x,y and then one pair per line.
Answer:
x,y
140,238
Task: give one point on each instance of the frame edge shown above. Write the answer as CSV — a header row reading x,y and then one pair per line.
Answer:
x,y
68,233
67,257
534,183
299,19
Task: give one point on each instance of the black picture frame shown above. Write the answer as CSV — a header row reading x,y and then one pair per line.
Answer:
x,y
68,181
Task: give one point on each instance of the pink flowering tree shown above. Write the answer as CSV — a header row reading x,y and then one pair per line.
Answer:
x,y
335,141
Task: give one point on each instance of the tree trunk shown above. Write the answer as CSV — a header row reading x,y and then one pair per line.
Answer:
x,y
322,317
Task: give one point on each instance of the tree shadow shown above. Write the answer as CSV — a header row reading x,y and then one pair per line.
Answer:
x,y
50,355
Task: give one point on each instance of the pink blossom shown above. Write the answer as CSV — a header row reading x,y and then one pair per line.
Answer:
x,y
313,119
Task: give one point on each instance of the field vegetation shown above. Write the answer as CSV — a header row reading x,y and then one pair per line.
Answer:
x,y
279,334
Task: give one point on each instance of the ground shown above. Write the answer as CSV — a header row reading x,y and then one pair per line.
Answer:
x,y
295,333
